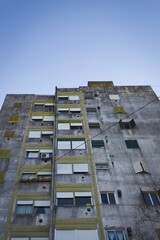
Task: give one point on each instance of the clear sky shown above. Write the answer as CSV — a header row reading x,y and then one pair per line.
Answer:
x,y
65,43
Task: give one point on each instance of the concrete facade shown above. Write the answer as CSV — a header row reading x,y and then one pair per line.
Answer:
x,y
81,164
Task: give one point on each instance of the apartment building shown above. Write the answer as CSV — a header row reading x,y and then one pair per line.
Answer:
x,y
82,163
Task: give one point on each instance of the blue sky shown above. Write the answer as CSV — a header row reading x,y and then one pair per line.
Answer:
x,y
65,43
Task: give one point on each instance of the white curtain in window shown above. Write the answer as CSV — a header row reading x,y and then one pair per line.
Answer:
x,y
120,235
65,235
48,118
74,98
78,145
33,154
87,234
63,126
78,167
64,168
111,235
64,145
34,134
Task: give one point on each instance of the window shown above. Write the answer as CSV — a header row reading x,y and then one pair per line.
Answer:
x,y
102,166
75,110
13,118
140,167
151,198
32,153
76,234
29,238
68,126
115,235
43,153
62,97
65,198
43,104
119,109
63,126
41,207
91,109
71,199
94,125
71,98
43,118
74,144
9,134
33,176
127,124
97,143
76,125
72,168
67,110
24,207
82,198
80,168
17,105
114,97
34,134
30,207
108,198
4,153
64,168
131,144
74,98
39,134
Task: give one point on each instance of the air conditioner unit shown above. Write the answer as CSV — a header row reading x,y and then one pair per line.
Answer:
x,y
44,155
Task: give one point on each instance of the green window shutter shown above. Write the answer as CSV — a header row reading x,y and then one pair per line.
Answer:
x,y
4,153
9,134
132,123
1,176
131,144
119,109
97,143
13,118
